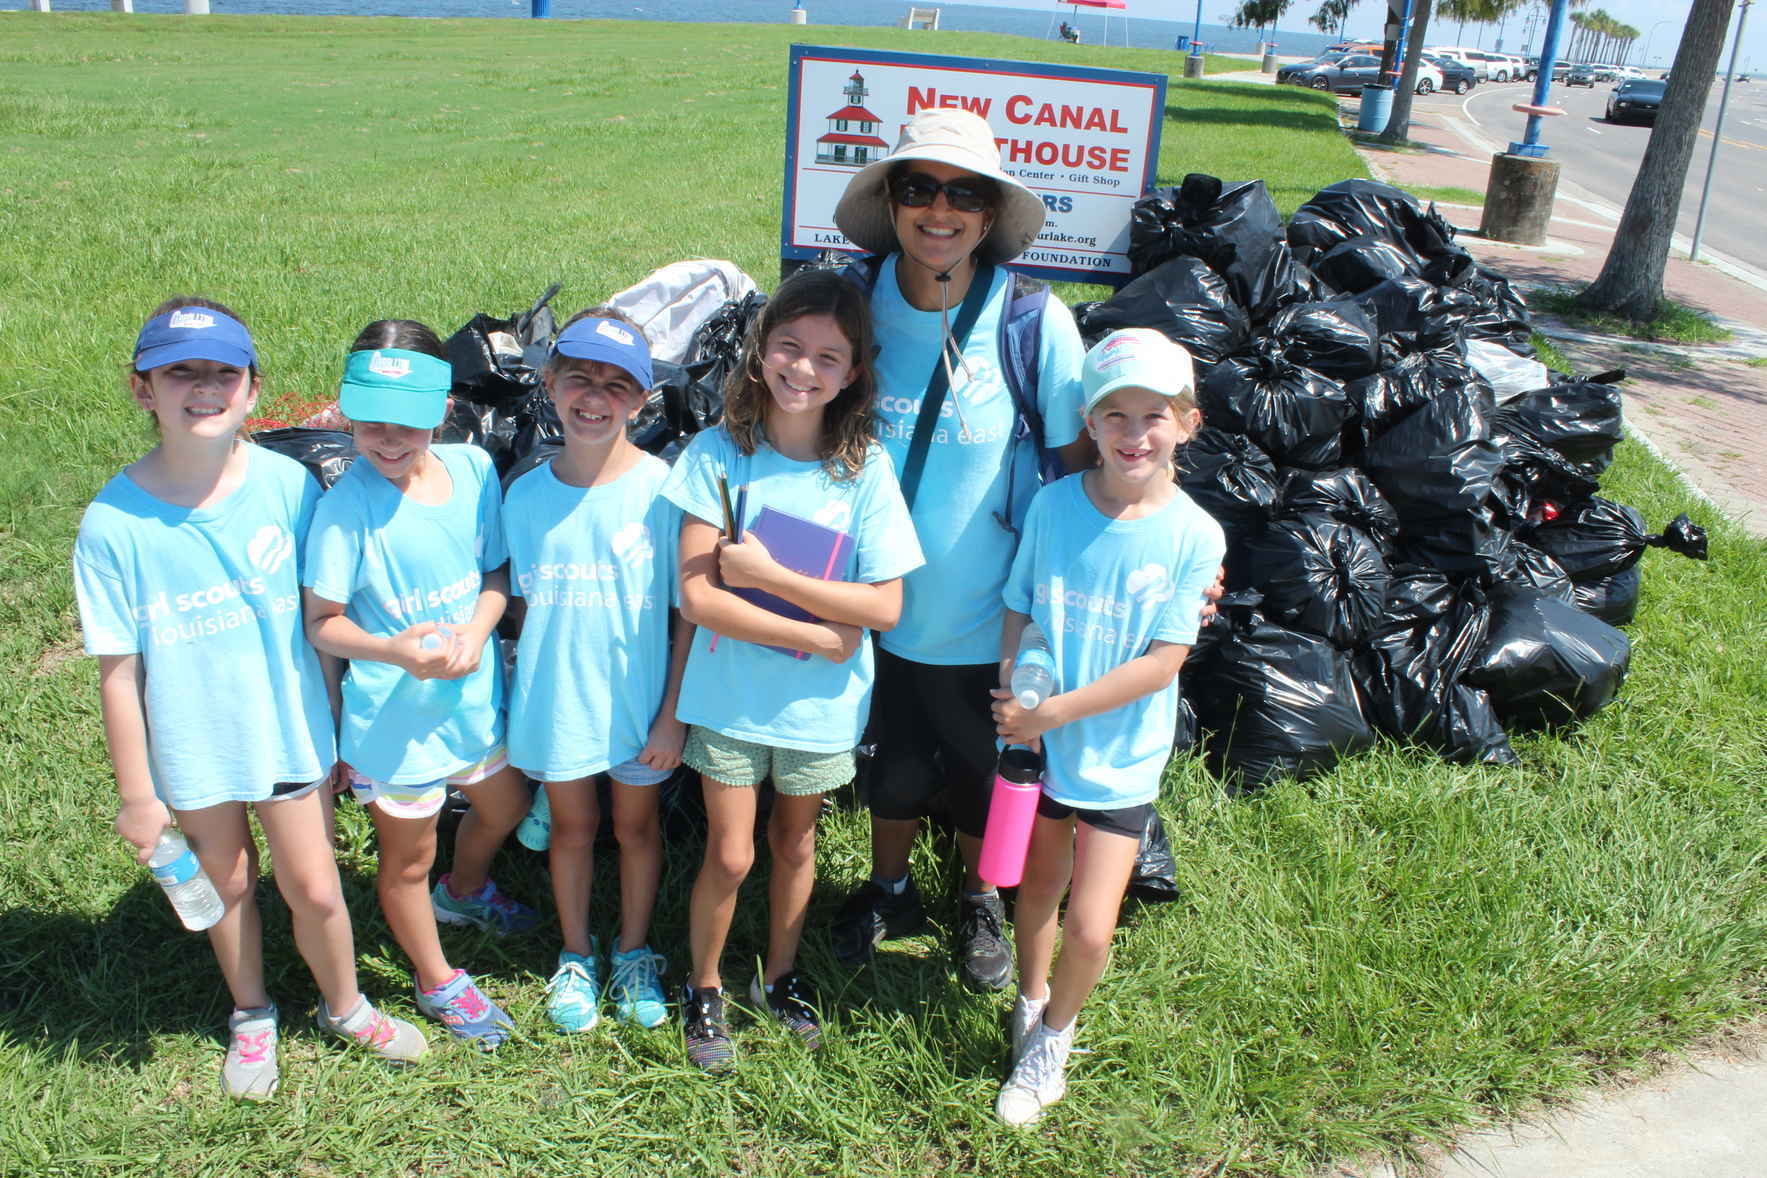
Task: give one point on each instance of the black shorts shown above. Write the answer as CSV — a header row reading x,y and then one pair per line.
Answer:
x,y
934,730
1130,820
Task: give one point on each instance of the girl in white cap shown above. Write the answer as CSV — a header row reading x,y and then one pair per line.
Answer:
x,y
187,571
1111,568
941,216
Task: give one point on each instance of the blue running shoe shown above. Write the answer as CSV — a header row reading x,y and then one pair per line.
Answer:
x,y
573,996
637,987
486,908
461,1007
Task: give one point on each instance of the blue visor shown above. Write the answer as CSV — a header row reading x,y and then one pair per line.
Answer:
x,y
396,386
610,342
193,333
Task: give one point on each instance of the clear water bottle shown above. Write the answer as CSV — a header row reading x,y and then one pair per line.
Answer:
x,y
1033,671
175,868
433,700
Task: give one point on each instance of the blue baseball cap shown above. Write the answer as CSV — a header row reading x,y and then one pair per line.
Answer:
x,y
610,342
397,386
1136,358
193,333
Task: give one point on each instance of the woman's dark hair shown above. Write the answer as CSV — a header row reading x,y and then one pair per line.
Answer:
x,y
179,302
849,424
407,335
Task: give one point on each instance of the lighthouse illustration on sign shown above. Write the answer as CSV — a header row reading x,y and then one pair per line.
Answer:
x,y
852,140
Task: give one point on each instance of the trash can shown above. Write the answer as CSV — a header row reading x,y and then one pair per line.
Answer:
x,y
1377,108
1268,65
799,16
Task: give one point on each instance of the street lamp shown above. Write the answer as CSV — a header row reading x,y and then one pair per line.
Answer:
x,y
1699,220
1644,58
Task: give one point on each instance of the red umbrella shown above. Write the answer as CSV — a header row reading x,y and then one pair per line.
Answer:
x,y
1108,6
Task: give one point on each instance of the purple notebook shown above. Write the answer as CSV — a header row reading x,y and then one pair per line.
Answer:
x,y
812,549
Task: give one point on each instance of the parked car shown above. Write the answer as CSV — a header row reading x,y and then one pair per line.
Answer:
x,y
1635,101
1457,77
1481,68
1531,69
1429,78
1581,75
1347,75
1499,67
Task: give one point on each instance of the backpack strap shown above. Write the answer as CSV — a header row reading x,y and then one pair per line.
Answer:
x,y
1021,349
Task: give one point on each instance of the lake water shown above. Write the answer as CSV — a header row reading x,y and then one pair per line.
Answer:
x,y
1147,34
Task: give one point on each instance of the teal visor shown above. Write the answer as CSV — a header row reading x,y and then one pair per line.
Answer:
x,y
396,386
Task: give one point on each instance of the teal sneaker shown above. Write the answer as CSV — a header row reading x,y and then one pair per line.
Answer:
x,y
535,831
637,987
486,908
573,996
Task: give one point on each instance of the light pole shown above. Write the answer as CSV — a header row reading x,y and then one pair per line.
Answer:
x,y
1644,58
1699,220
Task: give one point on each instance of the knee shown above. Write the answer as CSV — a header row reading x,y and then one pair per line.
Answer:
x,y
792,847
316,894
574,832
1090,940
234,874
408,866
728,860
636,832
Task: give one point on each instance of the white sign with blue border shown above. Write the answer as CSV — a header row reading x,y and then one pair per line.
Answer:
x,y
1085,140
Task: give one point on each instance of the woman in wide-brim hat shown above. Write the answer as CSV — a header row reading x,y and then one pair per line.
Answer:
x,y
942,216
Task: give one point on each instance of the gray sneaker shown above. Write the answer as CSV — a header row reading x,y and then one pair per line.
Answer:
x,y
249,1071
392,1039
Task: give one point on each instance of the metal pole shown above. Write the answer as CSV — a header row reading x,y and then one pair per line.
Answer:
x,y
1555,27
1196,30
1699,220
541,9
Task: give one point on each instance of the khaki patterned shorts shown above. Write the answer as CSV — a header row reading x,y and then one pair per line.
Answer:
x,y
744,763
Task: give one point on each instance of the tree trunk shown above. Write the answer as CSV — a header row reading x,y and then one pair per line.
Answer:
x,y
1399,122
1631,279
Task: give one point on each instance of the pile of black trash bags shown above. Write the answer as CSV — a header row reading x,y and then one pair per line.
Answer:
x,y
1405,555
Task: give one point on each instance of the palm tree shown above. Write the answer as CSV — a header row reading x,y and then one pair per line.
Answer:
x,y
1259,14
1331,16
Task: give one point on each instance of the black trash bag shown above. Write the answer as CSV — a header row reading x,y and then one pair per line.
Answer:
x,y
1579,420
491,427
1501,314
497,362
1537,484
1546,663
1181,299
1185,732
1368,207
1319,575
1155,877
1418,314
1346,495
1336,338
1382,398
1526,567
1438,460
1273,702
1411,669
540,455
1598,538
687,398
1361,262
1613,598
1223,224
1294,414
326,453
1229,477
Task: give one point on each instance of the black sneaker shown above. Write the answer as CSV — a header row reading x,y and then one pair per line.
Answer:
x,y
871,915
792,1001
984,955
703,1028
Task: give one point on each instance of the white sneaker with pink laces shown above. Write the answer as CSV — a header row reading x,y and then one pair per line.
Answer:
x,y
249,1071
392,1039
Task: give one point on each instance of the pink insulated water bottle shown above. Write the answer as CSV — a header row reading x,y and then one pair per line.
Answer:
x,y
1018,783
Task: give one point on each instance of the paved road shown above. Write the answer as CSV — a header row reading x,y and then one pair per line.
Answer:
x,y
1603,158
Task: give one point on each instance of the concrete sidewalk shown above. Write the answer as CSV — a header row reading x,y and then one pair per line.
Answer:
x,y
1703,409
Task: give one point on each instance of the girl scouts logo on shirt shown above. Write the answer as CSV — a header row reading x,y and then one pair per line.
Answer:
x,y
1150,585
835,514
632,543
270,548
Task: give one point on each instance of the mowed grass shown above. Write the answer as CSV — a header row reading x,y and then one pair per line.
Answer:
x,y
1382,954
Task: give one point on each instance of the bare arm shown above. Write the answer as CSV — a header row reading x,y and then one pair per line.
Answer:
x,y
140,814
469,639
331,633
748,565
704,602
1140,676
1012,631
662,748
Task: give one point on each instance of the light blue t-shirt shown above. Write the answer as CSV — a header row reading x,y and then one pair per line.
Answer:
x,y
210,598
596,566
758,694
951,605
394,562
1102,589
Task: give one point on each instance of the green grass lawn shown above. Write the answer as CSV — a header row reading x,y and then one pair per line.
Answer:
x,y
1397,948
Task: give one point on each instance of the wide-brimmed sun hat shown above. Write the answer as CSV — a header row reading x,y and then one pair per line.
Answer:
x,y
961,139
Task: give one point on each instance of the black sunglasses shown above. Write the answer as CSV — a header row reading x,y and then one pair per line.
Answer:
x,y
917,190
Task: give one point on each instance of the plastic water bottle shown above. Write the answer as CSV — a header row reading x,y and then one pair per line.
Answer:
x,y
1033,671
434,699
175,868
1012,812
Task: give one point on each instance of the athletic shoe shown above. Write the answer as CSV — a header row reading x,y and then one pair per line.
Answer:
x,y
984,956
249,1071
872,914
486,908
392,1039
703,1028
535,830
1026,1014
791,1000
460,1006
637,987
1039,1079
573,996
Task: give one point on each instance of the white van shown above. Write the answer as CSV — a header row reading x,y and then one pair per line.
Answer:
x,y
1473,59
